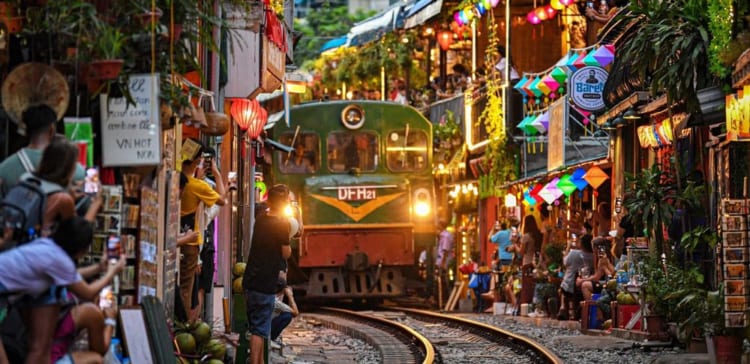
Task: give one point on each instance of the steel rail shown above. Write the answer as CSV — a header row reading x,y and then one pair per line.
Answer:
x,y
540,350
424,344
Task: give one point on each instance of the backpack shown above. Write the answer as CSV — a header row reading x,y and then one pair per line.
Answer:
x,y
23,208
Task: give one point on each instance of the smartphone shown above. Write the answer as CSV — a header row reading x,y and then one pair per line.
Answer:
x,y
106,298
113,248
91,182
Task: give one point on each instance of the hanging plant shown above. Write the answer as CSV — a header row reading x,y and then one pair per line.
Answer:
x,y
499,152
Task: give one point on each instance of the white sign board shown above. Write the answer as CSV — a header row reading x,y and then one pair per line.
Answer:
x,y
131,134
586,87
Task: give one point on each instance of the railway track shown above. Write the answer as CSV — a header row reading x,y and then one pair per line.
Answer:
x,y
416,336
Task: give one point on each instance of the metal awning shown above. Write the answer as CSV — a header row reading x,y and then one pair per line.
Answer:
x,y
422,11
375,27
334,43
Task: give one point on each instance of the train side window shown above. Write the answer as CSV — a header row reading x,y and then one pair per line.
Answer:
x,y
304,159
348,150
406,153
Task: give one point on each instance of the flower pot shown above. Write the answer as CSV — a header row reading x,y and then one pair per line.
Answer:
x,y
655,326
697,345
728,349
107,69
218,124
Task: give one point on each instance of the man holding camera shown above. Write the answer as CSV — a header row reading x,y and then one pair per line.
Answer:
x,y
196,191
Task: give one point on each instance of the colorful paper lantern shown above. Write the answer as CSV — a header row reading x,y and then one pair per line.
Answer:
x,y
550,192
538,125
604,56
570,65
551,83
528,127
527,199
565,185
523,122
590,60
533,87
578,63
480,8
457,18
542,86
559,75
567,2
577,179
556,4
544,119
494,3
595,177
445,39
487,4
519,84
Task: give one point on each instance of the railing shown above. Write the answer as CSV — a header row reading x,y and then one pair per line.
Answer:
x,y
436,111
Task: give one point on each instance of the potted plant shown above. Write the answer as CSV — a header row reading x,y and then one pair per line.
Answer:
x,y
707,318
107,45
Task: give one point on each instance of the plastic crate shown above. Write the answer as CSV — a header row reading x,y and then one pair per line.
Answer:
x,y
625,313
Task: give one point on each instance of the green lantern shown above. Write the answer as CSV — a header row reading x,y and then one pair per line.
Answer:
x,y
566,185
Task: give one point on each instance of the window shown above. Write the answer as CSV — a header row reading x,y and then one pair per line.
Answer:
x,y
347,150
406,150
305,158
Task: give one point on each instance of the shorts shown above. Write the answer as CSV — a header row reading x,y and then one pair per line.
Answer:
x,y
259,308
55,295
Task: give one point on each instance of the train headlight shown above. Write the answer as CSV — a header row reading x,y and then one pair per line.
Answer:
x,y
422,203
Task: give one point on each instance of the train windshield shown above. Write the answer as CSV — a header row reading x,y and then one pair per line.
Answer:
x,y
406,150
304,158
347,150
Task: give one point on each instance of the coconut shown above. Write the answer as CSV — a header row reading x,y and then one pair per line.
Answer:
x,y
216,348
186,343
202,332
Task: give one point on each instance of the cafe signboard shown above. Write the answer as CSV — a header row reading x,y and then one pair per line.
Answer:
x,y
586,86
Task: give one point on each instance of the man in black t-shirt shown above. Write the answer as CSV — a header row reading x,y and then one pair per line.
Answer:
x,y
270,247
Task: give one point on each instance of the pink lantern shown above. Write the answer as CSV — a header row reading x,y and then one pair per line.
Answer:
x,y
457,18
567,2
532,18
494,3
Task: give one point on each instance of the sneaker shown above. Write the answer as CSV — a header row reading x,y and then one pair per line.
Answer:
x,y
509,310
275,345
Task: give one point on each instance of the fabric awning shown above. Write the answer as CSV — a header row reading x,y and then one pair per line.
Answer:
x,y
334,43
375,27
422,11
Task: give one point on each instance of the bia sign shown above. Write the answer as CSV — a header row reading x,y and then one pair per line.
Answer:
x,y
586,86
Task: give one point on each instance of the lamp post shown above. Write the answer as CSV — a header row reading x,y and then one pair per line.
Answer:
x,y
250,118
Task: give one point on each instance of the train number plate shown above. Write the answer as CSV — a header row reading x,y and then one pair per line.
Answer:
x,y
356,193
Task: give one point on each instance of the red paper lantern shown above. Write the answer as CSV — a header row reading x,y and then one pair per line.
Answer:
x,y
445,38
249,116
551,12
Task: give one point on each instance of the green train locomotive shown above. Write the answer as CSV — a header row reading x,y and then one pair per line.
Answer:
x,y
362,175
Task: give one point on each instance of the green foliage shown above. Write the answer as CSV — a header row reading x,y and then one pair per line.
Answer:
x,y
320,26
670,48
720,24
699,236
665,285
651,197
499,151
108,43
702,313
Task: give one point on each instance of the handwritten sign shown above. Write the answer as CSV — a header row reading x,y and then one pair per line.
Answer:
x,y
131,133
556,135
